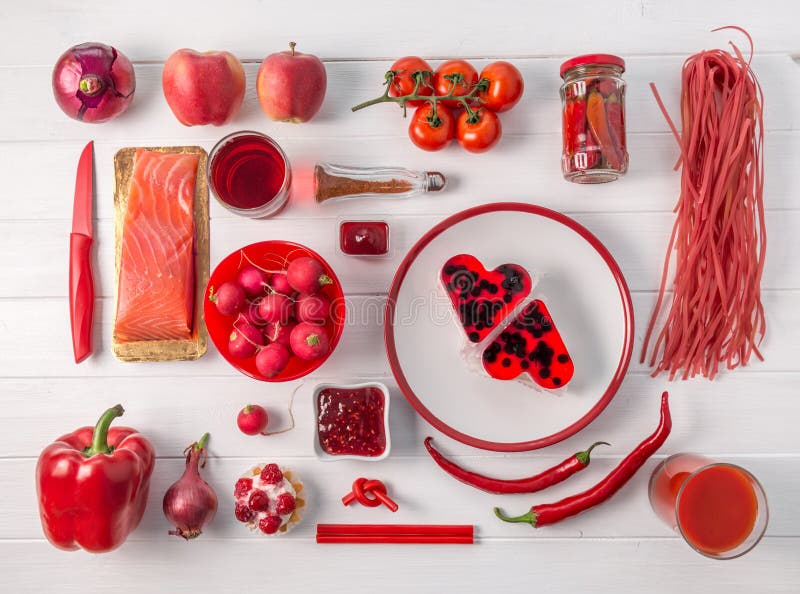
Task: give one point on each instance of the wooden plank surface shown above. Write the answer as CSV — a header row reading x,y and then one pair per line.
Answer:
x,y
747,417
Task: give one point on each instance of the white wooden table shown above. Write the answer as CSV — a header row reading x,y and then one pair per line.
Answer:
x,y
748,417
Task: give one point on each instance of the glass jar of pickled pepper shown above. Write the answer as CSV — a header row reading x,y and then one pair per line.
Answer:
x,y
593,119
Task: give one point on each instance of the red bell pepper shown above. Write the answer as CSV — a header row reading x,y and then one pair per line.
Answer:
x,y
92,485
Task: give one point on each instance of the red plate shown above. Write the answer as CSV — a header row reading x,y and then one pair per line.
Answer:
x,y
583,289
270,255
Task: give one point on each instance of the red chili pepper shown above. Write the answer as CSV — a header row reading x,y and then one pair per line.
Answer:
x,y
598,126
550,513
615,122
544,479
92,485
606,86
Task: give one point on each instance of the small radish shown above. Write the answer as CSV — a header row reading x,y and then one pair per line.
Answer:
x,y
253,280
313,309
309,341
250,313
276,308
252,419
279,333
272,359
280,284
307,275
245,340
229,298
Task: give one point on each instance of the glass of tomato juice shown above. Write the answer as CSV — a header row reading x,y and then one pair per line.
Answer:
x,y
720,509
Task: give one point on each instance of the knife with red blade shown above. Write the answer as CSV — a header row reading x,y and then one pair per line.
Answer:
x,y
81,283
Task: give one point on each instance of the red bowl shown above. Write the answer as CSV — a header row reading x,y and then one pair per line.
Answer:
x,y
270,255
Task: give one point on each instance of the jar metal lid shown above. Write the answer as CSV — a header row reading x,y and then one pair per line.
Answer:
x,y
592,59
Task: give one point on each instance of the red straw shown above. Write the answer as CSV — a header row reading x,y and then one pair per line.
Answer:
x,y
395,533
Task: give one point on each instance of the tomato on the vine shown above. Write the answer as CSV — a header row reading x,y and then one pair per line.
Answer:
x,y
505,86
428,132
481,134
443,86
403,81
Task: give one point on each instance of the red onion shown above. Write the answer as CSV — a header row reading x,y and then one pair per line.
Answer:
x,y
190,503
93,82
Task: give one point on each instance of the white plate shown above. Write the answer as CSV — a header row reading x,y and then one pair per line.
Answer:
x,y
582,287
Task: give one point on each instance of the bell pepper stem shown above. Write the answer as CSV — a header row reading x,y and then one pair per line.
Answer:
x,y
528,518
100,435
583,457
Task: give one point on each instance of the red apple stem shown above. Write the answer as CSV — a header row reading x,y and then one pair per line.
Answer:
x,y
421,77
292,45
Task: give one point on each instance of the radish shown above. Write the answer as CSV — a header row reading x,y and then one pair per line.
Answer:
x,y
307,275
245,340
250,313
272,359
252,419
276,308
280,284
253,280
229,298
279,333
309,341
313,309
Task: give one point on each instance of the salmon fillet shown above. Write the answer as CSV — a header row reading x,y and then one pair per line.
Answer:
x,y
155,298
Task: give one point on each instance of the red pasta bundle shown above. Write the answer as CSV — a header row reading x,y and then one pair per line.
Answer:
x,y
719,238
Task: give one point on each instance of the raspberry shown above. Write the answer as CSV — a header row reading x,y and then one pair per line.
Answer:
x,y
269,524
271,474
243,485
284,504
258,501
243,513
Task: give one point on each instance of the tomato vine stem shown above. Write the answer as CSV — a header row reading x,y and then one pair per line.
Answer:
x,y
423,77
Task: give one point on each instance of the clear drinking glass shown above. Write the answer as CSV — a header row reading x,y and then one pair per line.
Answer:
x,y
249,174
720,509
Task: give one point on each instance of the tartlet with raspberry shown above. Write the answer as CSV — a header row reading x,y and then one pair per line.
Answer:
x,y
267,499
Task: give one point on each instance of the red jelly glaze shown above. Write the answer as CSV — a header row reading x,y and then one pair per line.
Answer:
x,y
351,421
364,238
530,344
247,172
483,298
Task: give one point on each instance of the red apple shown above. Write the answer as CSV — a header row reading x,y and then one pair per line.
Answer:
x,y
203,88
291,85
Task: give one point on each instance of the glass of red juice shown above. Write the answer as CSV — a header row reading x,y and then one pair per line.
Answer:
x,y
249,174
720,509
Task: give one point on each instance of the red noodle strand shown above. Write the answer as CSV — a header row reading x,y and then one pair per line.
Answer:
x,y
715,315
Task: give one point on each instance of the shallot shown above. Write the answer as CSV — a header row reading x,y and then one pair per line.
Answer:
x,y
190,503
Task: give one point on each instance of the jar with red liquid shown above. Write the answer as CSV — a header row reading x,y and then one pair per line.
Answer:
x,y
720,509
593,119
249,174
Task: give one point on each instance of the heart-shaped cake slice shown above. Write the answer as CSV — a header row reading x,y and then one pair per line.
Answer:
x,y
482,298
530,344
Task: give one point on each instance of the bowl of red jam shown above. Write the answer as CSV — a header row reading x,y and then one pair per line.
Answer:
x,y
352,421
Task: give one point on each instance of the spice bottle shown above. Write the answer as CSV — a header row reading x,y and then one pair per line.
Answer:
x,y
593,119
332,182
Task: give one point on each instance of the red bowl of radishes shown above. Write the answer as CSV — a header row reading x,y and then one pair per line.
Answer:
x,y
275,310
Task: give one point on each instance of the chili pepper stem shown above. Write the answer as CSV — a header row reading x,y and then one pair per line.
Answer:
x,y
583,457
528,518
100,434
